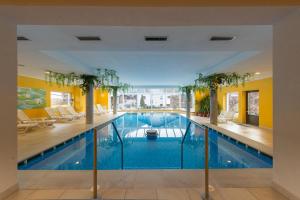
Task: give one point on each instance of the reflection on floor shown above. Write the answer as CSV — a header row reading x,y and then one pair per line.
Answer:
x,y
246,184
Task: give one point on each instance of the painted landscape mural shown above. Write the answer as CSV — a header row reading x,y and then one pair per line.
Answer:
x,y
29,98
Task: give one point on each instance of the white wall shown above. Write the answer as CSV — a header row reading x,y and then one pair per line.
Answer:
x,y
8,135
286,79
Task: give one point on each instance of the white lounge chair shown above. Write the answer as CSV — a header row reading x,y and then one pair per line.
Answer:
x,y
65,113
225,116
42,122
54,114
100,108
24,128
97,111
72,111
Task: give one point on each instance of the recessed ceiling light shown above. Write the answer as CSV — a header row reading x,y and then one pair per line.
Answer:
x,y
155,38
257,73
22,38
222,38
88,38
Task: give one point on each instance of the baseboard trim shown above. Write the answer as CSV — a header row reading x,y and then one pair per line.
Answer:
x,y
9,191
284,191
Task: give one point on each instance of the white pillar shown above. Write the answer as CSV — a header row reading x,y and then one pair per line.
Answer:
x,y
115,97
188,103
8,133
90,105
286,105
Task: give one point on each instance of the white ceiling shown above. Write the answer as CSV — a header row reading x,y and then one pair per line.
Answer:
x,y
188,51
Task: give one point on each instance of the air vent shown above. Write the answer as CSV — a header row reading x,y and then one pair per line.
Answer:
x,y
222,38
22,38
156,38
88,38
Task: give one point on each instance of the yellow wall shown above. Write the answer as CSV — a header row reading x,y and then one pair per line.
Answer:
x,y
79,100
198,96
265,89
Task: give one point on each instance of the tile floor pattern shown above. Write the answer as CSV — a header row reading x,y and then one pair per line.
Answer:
x,y
265,193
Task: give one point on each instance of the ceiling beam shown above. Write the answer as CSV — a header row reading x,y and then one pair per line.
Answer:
x,y
152,3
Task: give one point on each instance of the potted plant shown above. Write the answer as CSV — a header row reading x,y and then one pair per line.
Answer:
x,y
215,81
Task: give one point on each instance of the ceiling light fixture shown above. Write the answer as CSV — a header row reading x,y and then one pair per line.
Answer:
x,y
257,73
22,38
155,38
222,38
88,38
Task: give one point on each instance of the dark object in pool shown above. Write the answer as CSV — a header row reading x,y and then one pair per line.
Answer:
x,y
151,134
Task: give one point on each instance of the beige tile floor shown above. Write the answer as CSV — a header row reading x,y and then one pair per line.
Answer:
x,y
246,184
266,193
40,139
259,138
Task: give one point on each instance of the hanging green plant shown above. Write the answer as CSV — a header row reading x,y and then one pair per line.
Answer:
x,y
87,82
217,80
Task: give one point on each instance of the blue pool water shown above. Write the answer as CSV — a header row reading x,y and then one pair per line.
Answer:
x,y
142,153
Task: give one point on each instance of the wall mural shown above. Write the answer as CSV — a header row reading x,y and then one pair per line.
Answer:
x,y
29,98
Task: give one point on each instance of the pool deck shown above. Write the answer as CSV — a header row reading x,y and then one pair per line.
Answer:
x,y
259,138
41,139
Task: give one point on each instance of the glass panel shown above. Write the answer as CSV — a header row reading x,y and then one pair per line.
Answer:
x,y
153,98
60,99
253,103
109,149
233,102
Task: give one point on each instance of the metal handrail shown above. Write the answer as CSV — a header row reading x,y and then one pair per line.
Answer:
x,y
122,145
206,194
186,131
206,178
95,177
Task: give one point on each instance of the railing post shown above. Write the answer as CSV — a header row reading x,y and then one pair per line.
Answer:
x,y
122,145
206,194
95,186
181,149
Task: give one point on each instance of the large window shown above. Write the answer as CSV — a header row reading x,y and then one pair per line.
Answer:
x,y
60,99
233,102
158,98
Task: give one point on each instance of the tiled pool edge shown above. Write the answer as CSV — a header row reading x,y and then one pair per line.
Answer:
x,y
251,143
77,134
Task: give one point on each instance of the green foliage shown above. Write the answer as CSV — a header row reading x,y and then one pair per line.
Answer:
x,y
109,81
204,104
121,86
187,89
61,79
216,80
142,102
87,81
